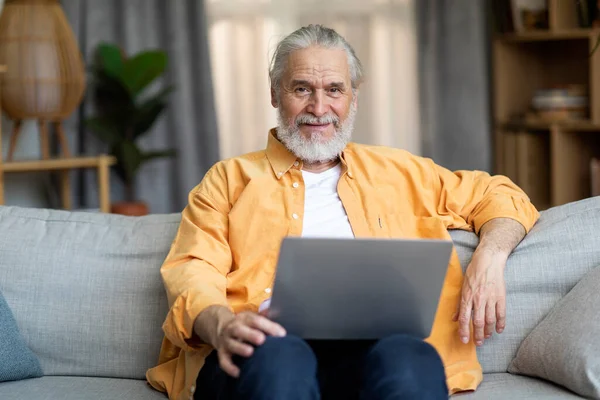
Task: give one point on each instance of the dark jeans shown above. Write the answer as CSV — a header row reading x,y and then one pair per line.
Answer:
x,y
396,367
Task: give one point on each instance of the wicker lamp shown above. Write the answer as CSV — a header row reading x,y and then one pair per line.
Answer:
x,y
45,78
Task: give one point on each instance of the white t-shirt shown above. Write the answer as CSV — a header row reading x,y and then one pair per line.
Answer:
x,y
324,214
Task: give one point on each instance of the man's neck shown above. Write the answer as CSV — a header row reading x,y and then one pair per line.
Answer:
x,y
319,167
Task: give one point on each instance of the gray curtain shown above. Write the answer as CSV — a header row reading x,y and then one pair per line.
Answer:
x,y
454,83
189,125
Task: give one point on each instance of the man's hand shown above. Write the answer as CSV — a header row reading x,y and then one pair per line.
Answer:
x,y
483,297
232,334
239,336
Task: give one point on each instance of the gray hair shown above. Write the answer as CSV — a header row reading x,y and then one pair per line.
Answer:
x,y
308,36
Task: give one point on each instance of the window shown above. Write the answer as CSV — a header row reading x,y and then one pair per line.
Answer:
x,y
243,35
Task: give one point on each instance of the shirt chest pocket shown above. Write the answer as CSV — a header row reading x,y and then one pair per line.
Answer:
x,y
407,226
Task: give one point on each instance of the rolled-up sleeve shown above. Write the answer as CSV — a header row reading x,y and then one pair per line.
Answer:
x,y
476,197
195,270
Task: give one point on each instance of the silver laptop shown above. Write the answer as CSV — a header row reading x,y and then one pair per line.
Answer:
x,y
358,288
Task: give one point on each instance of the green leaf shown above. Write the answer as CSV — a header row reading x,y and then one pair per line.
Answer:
x,y
143,69
104,129
129,159
149,111
150,155
110,59
145,118
111,96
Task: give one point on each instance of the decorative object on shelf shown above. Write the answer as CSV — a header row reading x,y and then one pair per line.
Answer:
x,y
45,78
529,15
125,112
560,103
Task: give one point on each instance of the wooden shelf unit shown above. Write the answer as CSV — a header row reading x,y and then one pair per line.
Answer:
x,y
549,160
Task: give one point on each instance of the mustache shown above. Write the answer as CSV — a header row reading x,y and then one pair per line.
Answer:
x,y
311,119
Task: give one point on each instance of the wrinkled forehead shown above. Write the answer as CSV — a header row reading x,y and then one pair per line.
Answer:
x,y
318,64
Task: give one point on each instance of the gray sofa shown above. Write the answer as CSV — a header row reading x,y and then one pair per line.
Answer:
x,y
86,292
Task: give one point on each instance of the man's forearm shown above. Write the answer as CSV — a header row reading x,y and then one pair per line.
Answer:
x,y
500,236
209,322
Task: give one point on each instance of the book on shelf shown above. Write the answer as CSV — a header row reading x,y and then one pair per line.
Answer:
x,y
560,103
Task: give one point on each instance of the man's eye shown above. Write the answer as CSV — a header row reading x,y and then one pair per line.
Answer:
x,y
301,90
334,90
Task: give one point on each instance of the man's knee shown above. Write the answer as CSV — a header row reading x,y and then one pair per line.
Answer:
x,y
406,364
280,361
287,351
404,349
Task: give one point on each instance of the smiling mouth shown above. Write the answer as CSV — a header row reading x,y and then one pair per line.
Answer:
x,y
317,125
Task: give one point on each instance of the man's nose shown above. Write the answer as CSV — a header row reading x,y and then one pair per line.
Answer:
x,y
318,105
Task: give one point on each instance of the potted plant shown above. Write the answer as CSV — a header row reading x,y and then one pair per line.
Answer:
x,y
125,111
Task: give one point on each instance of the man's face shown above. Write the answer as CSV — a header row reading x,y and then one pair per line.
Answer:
x,y
316,105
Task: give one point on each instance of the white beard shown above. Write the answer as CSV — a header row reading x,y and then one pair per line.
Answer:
x,y
314,150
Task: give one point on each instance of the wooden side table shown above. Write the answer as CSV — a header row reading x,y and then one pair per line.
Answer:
x,y
101,163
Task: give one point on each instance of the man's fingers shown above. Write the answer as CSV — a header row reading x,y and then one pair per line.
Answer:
x,y
501,315
464,319
227,364
245,333
479,318
236,347
490,318
265,325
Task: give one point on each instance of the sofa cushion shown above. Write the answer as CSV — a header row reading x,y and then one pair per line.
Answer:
x,y
561,248
77,388
565,347
504,386
17,361
85,288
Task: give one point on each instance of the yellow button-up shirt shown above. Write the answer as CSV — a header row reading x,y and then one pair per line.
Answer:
x,y
227,246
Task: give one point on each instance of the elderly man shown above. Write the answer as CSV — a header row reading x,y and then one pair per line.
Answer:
x,y
312,181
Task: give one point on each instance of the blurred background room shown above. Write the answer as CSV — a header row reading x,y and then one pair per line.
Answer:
x,y
122,106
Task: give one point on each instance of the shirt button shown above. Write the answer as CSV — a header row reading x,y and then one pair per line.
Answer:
x,y
268,290
295,216
296,163
295,184
279,174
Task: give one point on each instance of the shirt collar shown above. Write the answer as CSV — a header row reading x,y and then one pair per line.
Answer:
x,y
281,159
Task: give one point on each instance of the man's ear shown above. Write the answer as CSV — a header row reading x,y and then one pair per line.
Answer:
x,y
355,97
274,102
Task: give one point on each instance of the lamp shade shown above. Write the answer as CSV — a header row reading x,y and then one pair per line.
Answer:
x,y
45,77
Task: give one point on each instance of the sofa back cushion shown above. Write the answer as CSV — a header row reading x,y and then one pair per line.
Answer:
x,y
85,288
86,292
560,249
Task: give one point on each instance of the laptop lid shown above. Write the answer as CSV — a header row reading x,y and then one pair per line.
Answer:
x,y
358,288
